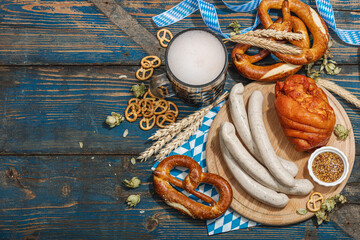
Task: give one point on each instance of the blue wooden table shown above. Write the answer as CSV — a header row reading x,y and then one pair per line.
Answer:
x,y
61,168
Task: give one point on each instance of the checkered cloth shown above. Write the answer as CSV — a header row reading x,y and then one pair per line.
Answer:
x,y
195,148
209,15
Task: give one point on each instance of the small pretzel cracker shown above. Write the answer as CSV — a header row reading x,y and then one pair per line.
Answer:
x,y
163,91
175,111
133,100
153,110
132,111
147,123
160,107
163,120
147,107
150,62
312,202
164,36
144,73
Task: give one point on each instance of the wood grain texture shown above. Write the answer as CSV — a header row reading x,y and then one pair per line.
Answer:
x,y
52,109
242,202
76,32
83,197
50,187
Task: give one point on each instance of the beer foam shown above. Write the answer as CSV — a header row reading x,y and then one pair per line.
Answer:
x,y
196,57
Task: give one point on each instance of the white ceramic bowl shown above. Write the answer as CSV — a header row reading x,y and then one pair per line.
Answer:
x,y
333,150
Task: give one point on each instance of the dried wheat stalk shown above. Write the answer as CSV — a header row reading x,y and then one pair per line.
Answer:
x,y
167,134
179,140
266,44
278,35
342,92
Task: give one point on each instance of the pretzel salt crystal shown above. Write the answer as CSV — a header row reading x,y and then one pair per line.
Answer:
x,y
164,182
313,22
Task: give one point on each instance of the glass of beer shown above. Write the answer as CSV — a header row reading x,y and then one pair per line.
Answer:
x,y
196,65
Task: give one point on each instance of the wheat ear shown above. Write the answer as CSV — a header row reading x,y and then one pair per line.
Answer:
x,y
278,35
266,44
167,134
342,92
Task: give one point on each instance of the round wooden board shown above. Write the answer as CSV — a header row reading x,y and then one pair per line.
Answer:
x,y
243,203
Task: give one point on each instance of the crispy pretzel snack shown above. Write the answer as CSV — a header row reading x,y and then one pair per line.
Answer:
x,y
147,123
312,202
144,73
164,36
165,119
313,22
133,100
132,112
163,182
147,107
244,63
175,111
150,62
160,107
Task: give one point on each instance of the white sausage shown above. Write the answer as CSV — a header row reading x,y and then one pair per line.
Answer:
x,y
262,140
253,168
240,120
253,188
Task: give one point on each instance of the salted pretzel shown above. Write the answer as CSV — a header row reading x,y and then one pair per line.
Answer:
x,y
144,73
312,205
147,123
164,182
165,119
175,109
160,107
164,36
132,111
150,62
244,63
313,22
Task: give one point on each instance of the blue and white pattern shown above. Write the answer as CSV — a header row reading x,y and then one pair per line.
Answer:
x,y
195,148
209,15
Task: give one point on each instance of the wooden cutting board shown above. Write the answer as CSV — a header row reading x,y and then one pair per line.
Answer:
x,y
243,203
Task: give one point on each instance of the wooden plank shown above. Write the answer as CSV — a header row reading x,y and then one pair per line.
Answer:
x,y
49,110
83,197
122,19
76,32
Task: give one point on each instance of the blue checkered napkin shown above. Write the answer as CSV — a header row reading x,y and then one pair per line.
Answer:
x,y
209,15
195,148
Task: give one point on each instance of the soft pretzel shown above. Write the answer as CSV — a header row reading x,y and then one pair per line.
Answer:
x,y
244,62
313,22
164,182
